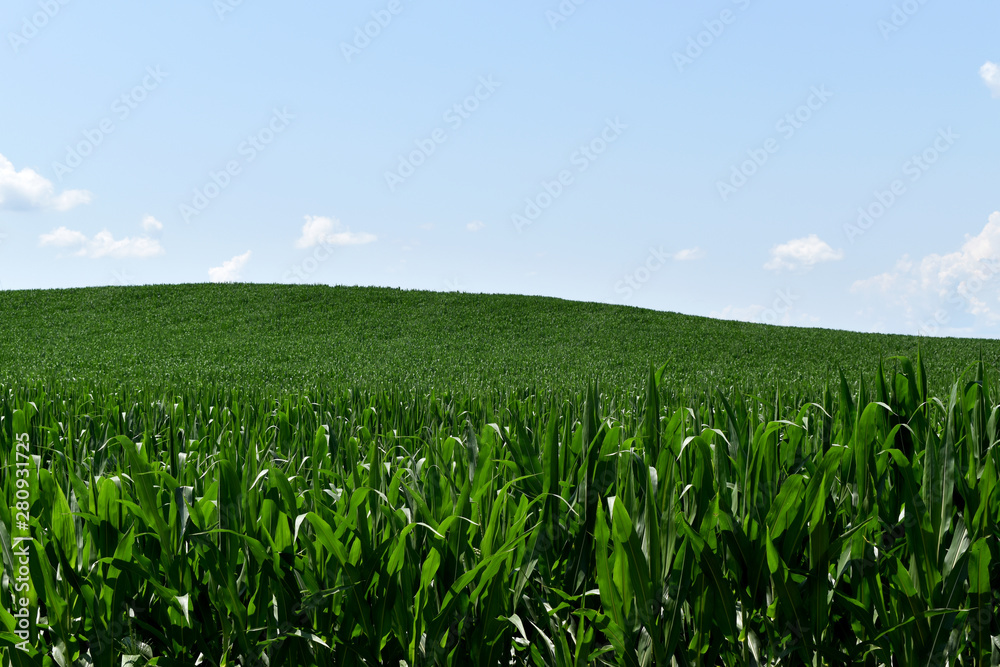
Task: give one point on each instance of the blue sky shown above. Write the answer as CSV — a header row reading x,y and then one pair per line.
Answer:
x,y
830,165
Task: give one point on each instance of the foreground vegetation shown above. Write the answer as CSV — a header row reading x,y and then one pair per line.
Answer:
x,y
855,524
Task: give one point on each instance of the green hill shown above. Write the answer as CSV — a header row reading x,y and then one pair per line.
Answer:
x,y
182,494
295,337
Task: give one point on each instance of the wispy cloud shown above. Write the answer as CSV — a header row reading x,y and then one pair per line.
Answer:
x,y
231,270
103,244
62,238
963,281
689,254
765,315
991,77
475,226
28,190
320,230
151,224
803,253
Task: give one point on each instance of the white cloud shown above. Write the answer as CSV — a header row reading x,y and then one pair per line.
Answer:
x,y
62,238
230,269
475,226
940,287
319,230
103,244
689,254
991,77
802,253
151,224
27,189
777,313
64,201
740,314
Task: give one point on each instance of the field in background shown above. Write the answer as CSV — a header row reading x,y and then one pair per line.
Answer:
x,y
298,337
375,477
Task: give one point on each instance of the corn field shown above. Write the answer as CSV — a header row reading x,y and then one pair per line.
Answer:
x,y
855,525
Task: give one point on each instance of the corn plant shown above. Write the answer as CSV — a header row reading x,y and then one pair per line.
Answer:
x,y
757,525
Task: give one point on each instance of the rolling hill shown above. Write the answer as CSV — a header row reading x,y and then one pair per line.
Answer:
x,y
295,337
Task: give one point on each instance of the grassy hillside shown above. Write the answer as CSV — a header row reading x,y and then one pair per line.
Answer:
x,y
300,336
181,501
